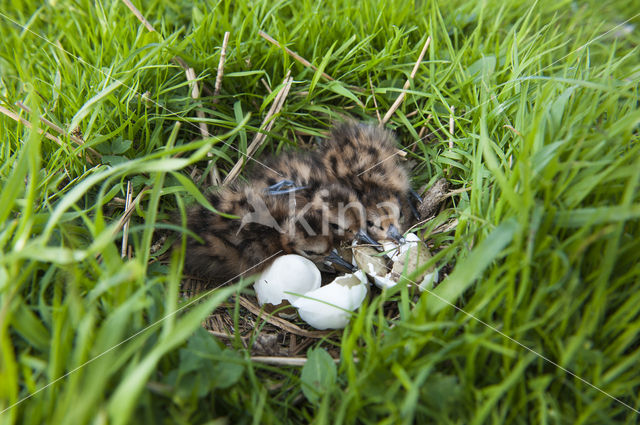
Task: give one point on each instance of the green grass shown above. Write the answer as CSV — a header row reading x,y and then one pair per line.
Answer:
x,y
546,250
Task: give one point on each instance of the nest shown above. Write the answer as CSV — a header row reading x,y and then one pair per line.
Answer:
x,y
277,338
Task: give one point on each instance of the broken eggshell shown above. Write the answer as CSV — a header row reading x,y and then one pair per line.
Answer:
x,y
413,252
329,307
369,260
375,265
286,279
394,251
411,256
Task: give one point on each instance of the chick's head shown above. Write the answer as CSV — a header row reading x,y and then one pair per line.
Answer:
x,y
383,215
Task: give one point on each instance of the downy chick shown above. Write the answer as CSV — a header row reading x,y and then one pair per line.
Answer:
x,y
289,172
364,158
266,227
316,193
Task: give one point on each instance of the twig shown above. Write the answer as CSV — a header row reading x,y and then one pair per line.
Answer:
x,y
27,124
375,102
265,127
293,54
223,56
407,84
125,228
281,323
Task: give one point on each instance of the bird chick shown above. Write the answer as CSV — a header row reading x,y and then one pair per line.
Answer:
x,y
385,215
364,158
340,209
289,172
303,176
266,227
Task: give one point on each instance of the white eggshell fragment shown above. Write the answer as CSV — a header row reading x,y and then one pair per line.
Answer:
x,y
384,281
429,281
390,248
287,275
414,252
411,255
324,308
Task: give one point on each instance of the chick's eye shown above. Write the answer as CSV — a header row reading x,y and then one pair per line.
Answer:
x,y
373,225
334,226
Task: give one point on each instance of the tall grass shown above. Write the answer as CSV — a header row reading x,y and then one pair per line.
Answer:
x,y
538,319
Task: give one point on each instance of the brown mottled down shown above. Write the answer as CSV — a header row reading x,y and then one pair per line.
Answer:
x,y
363,157
231,248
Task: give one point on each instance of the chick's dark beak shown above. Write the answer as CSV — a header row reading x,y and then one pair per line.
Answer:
x,y
363,237
395,234
335,259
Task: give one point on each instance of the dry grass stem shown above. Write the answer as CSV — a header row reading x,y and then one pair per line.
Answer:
x,y
55,127
223,56
407,84
176,59
446,227
293,54
124,220
265,127
195,95
280,323
283,361
139,15
375,102
125,228
451,126
512,129
264,82
49,136
202,125
280,361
